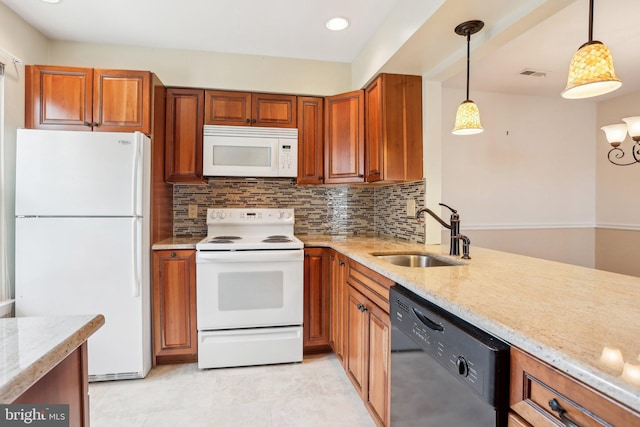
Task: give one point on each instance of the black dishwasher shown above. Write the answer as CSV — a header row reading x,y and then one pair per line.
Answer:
x,y
444,371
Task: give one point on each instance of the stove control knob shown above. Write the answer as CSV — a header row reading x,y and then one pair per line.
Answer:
x,y
284,215
212,215
463,367
222,215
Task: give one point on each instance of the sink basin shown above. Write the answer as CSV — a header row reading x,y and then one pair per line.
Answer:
x,y
414,260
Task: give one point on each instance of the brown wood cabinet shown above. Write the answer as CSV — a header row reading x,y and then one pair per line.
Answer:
x,y
67,383
534,384
175,337
344,138
72,98
310,140
316,300
184,132
368,338
249,109
338,291
393,127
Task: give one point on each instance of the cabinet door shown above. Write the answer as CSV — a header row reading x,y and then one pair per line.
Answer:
x,y
227,108
373,131
122,101
344,138
338,305
273,110
394,128
316,300
184,121
378,396
58,97
174,306
310,140
357,345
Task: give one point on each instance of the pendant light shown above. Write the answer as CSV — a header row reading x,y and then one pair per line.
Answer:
x,y
468,115
591,71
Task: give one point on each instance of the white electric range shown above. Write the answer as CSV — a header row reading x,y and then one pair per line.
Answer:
x,y
249,282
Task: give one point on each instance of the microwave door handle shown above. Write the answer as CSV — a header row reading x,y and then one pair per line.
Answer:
x,y
254,256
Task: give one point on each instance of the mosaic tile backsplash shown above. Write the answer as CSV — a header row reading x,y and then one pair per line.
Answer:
x,y
321,209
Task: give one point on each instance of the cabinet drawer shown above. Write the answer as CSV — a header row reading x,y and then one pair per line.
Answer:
x,y
370,283
534,384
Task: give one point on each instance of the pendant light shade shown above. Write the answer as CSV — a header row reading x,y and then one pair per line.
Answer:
x,y
591,72
467,119
468,115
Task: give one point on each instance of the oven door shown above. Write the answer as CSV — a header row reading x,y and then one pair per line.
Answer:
x,y
246,289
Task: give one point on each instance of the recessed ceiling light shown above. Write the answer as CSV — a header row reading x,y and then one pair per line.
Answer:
x,y
336,24
52,1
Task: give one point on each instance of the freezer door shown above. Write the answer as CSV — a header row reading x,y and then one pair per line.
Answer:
x,y
65,173
69,266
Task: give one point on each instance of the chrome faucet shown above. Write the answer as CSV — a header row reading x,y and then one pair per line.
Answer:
x,y
454,226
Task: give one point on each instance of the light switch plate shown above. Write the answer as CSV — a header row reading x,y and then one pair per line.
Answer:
x,y
193,211
411,208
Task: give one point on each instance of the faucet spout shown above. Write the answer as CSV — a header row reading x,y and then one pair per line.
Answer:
x,y
454,226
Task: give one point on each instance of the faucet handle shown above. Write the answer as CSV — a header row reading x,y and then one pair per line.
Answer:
x,y
448,207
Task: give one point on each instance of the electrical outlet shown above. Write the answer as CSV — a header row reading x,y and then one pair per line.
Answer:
x,y
411,207
193,211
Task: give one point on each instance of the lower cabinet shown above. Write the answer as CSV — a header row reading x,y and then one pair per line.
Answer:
x,y
539,393
338,304
368,338
175,336
316,300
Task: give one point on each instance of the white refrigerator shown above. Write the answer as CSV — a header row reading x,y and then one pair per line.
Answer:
x,y
82,240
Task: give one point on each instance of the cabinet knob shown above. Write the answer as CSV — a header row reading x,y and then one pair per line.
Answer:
x,y
87,124
95,124
321,178
341,263
556,407
360,176
173,255
253,121
248,120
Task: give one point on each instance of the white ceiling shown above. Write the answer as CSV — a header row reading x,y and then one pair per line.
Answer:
x,y
518,34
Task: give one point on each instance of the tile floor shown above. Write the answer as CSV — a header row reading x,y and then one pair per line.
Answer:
x,y
313,393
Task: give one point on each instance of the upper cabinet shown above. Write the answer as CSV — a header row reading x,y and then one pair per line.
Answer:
x,y
184,131
344,138
249,109
71,98
310,140
393,106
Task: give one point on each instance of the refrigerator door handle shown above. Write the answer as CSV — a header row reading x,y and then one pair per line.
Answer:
x,y
137,170
137,258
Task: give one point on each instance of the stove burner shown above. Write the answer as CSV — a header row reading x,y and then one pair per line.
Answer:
x,y
227,237
219,240
277,239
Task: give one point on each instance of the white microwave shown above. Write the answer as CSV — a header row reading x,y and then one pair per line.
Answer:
x,y
250,151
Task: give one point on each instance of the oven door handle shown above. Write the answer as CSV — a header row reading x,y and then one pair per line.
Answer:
x,y
250,256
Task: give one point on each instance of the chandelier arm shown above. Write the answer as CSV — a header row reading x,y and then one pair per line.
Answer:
x,y
618,153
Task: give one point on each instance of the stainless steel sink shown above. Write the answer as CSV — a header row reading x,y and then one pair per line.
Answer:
x,y
414,260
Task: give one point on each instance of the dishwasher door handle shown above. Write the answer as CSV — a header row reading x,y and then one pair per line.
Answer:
x,y
428,322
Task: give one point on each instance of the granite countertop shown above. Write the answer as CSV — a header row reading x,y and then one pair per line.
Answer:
x,y
583,321
177,243
31,346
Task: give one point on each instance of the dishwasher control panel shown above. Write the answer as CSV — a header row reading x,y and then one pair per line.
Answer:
x,y
477,358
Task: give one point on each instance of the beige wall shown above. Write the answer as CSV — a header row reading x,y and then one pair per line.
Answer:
x,y
568,245
617,199
22,40
211,69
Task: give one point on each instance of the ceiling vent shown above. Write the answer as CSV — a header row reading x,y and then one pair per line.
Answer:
x,y
533,73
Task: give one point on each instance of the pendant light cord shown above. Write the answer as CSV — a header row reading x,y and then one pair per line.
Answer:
x,y
468,61
591,20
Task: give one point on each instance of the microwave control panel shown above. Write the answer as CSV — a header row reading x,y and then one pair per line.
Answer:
x,y
287,159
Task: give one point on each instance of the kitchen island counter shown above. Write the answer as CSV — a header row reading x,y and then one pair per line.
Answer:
x,y
565,315
30,347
